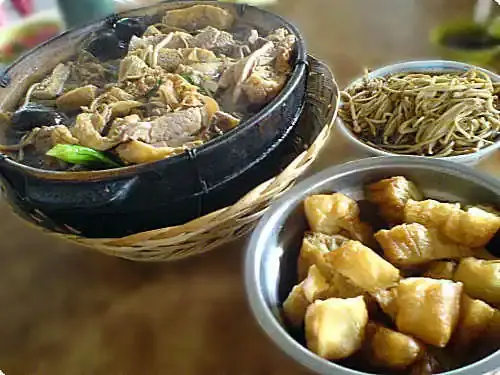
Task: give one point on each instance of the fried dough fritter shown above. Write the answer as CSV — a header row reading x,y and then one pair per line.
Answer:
x,y
335,328
481,279
474,227
428,309
314,247
476,317
363,267
337,214
391,195
391,349
413,244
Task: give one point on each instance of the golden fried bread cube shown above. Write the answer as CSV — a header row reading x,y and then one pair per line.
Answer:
x,y
295,306
342,287
481,279
429,212
475,318
473,227
364,267
428,309
390,195
335,328
336,214
387,300
441,269
314,246
413,244
391,349
313,287
315,284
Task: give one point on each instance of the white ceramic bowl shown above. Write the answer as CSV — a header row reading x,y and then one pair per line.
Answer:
x,y
427,66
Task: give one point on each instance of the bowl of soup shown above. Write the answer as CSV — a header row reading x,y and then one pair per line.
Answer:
x,y
140,115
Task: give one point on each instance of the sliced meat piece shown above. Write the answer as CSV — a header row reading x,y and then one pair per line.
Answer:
x,y
198,17
88,130
221,42
214,39
171,130
136,152
238,73
117,127
170,59
53,85
75,99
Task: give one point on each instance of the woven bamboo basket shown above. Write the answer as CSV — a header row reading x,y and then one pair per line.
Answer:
x,y
229,223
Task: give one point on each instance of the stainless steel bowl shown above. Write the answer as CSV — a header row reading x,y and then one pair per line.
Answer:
x,y
270,263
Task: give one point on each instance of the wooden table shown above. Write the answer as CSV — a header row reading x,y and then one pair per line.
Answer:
x,y
65,310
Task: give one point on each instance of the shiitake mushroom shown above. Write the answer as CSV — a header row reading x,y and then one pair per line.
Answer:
x,y
107,46
112,43
36,115
126,28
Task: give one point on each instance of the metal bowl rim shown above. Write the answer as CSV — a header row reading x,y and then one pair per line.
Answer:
x,y
280,210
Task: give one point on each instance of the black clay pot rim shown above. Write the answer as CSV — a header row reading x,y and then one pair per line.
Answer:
x,y
298,70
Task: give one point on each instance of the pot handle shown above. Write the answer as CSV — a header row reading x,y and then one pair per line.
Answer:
x,y
59,195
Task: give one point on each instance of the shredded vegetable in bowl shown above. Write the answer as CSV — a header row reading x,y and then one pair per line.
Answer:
x,y
424,114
